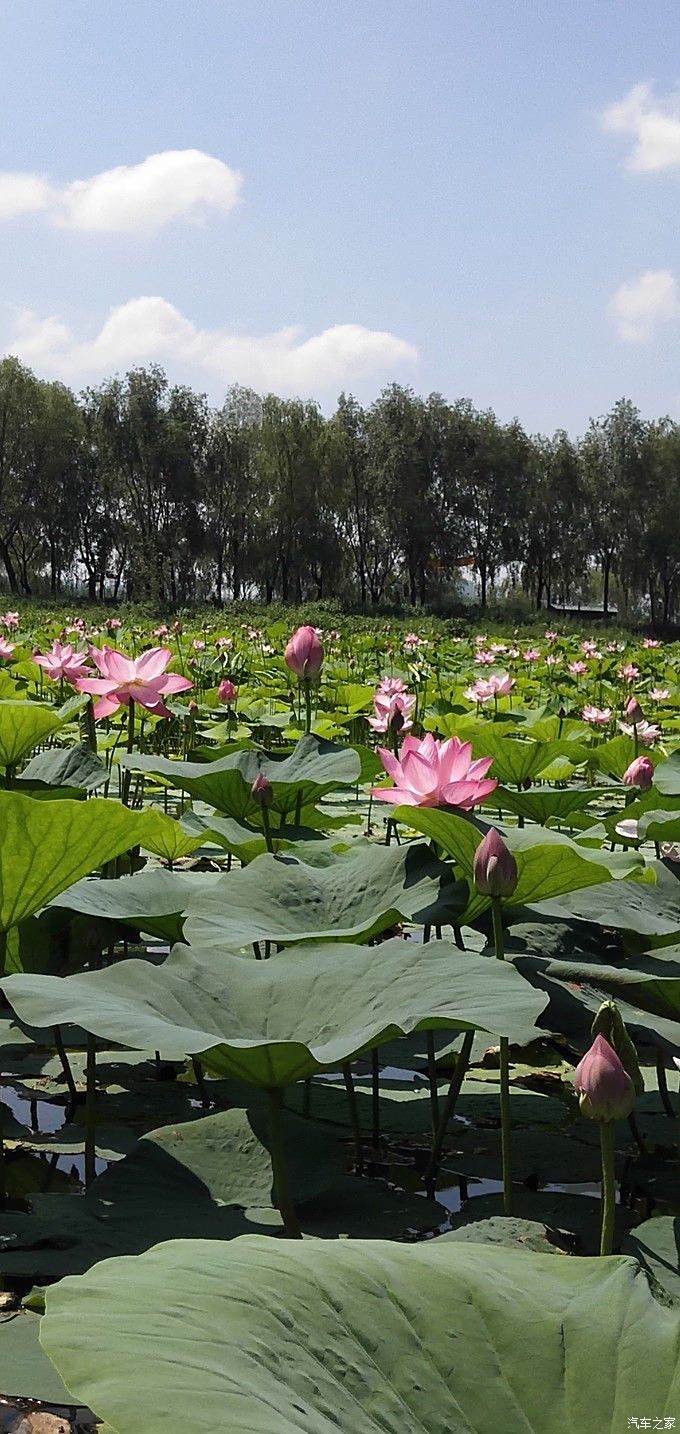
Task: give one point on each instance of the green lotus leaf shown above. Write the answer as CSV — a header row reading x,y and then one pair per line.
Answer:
x,y
78,767
548,862
364,1336
246,842
311,770
25,1370
356,896
656,1244
46,846
23,725
615,756
667,776
650,909
167,838
274,1022
659,826
544,804
152,900
515,760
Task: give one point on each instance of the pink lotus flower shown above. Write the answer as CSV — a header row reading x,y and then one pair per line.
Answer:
x,y
494,868
484,657
658,694
198,644
61,663
9,620
143,680
551,636
6,649
628,672
389,706
605,1089
114,624
304,653
429,773
640,774
161,631
588,646
481,692
577,669
633,711
553,659
651,642
226,691
647,732
412,642
532,654
502,684
597,716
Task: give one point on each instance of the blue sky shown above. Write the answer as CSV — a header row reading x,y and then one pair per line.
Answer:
x,y
348,193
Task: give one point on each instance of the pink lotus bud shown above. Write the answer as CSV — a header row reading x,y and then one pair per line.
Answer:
x,y
495,868
226,691
633,711
304,653
606,1091
639,774
261,791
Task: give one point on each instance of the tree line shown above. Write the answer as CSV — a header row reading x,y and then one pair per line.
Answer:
x,y
139,488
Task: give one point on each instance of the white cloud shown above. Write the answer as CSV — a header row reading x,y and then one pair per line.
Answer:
x,y
133,198
654,125
150,329
23,194
641,304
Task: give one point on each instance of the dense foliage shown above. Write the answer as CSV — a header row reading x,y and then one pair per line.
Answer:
x,y
363,935
140,489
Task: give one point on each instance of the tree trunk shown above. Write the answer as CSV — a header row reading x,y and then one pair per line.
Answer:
x,y
9,567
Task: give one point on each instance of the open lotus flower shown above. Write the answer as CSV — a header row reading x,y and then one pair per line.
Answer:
x,y
429,773
127,679
6,649
597,716
606,1091
647,732
62,663
387,706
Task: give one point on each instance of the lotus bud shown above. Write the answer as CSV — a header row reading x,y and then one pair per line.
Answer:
x,y
494,868
605,1089
261,791
639,774
304,653
633,711
609,1023
226,691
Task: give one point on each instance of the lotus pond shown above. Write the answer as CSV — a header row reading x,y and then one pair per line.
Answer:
x,y
339,1028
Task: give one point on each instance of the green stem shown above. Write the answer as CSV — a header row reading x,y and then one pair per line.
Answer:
x,y
308,705
90,1112
354,1119
267,829
432,1082
375,1097
608,1186
497,917
450,1103
291,1225
65,1066
663,1084
130,747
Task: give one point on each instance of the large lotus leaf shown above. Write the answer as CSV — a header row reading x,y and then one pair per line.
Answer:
x,y
667,776
650,980
308,773
153,900
614,757
167,838
659,826
78,767
246,842
310,1336
650,909
358,895
548,862
25,1370
515,760
23,725
656,1244
575,998
46,846
274,1022
544,804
